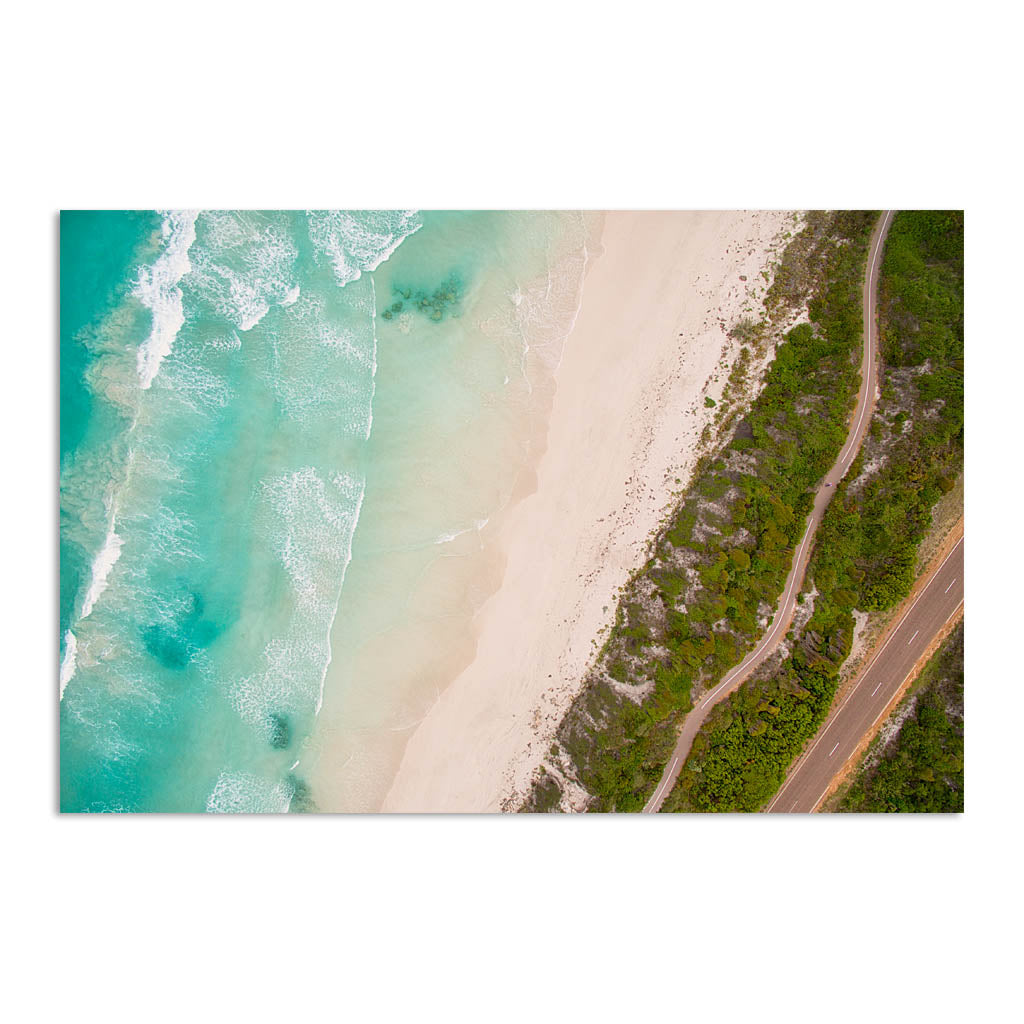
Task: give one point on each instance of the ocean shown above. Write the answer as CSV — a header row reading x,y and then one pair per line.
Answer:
x,y
286,441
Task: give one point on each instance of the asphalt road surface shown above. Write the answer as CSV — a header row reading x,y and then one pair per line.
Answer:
x,y
839,737
794,581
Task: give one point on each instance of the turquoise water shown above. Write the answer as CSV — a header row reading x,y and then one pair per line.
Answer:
x,y
98,253
276,427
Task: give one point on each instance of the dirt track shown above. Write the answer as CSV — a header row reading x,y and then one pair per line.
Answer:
x,y
794,581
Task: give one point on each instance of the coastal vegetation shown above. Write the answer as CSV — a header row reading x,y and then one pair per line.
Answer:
x,y
717,567
921,767
865,554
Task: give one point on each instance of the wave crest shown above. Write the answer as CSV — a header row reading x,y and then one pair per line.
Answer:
x,y
157,289
356,242
245,793
243,265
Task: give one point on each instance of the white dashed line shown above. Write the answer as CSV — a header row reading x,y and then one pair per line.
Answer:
x,y
868,376
884,709
833,750
946,591
911,640
805,758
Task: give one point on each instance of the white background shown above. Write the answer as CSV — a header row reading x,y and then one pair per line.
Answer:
x,y
475,105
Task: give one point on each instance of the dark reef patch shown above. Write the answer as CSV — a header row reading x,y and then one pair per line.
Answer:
x,y
302,796
434,305
174,644
280,731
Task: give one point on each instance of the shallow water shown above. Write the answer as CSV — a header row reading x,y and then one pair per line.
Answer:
x,y
277,431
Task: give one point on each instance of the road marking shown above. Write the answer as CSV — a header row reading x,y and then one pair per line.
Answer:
x,y
833,750
868,385
664,782
869,311
911,640
946,591
803,760
956,611
882,712
877,688
793,808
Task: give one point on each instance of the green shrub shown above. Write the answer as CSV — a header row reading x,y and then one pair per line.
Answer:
x,y
866,549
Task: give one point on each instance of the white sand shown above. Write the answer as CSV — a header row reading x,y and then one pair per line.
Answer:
x,y
650,341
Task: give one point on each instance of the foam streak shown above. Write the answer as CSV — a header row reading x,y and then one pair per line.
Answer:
x,y
101,566
157,288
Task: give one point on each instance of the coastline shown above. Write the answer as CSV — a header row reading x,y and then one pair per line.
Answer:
x,y
456,448
649,343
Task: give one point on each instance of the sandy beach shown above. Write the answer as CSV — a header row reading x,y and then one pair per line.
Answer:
x,y
649,343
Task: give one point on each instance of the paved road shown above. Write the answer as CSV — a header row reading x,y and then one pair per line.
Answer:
x,y
783,616
843,731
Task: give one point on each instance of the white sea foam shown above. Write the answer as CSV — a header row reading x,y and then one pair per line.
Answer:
x,y
245,793
445,538
323,364
157,288
172,536
67,665
243,265
349,485
110,741
314,398
229,343
101,566
319,326
310,522
316,523
373,371
196,385
358,242
541,313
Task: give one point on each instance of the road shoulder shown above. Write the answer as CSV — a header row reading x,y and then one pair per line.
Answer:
x,y
893,620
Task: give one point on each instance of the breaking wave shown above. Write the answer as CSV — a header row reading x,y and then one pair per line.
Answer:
x,y
158,290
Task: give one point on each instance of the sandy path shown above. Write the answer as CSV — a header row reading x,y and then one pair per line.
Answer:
x,y
859,422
